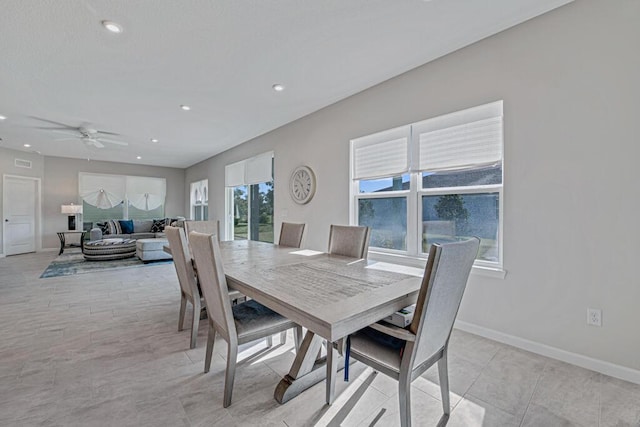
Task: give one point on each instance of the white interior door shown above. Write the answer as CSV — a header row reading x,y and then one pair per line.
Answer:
x,y
20,199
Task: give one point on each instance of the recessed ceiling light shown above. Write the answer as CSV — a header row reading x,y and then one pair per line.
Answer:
x,y
112,26
185,107
139,157
154,140
27,145
3,118
278,87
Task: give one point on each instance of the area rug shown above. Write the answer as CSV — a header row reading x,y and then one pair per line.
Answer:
x,y
72,262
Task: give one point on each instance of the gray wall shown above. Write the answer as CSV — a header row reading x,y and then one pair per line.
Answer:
x,y
59,178
569,81
60,186
7,166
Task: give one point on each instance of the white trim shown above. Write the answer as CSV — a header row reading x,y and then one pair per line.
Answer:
x,y
38,211
607,368
493,272
401,258
228,213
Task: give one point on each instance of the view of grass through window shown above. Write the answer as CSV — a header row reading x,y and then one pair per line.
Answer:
x,y
446,216
253,212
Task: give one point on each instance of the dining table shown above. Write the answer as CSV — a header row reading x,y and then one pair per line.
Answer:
x,y
331,296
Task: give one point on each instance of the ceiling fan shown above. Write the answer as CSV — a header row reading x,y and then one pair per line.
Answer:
x,y
85,133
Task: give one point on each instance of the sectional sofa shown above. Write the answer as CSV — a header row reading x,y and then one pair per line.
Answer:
x,y
148,233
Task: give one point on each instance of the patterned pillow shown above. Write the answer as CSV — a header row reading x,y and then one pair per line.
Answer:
x,y
103,226
114,227
158,225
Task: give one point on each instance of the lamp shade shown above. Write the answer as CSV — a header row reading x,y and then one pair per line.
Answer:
x,y
71,209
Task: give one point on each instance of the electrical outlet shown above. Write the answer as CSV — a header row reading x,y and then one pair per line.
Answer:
x,y
594,317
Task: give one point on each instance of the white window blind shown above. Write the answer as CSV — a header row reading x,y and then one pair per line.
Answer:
x,y
102,191
146,193
259,169
199,192
234,174
107,191
465,138
250,171
382,154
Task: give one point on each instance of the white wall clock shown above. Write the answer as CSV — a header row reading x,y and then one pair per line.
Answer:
x,y
302,185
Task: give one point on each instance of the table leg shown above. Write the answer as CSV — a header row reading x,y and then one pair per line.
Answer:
x,y
62,243
307,369
332,372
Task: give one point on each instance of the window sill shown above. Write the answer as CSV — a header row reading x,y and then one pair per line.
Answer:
x,y
401,259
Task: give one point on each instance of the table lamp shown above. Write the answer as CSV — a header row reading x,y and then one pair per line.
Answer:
x,y
73,211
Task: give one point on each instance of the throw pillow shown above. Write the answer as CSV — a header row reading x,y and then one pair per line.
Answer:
x,y
158,225
103,226
114,227
126,225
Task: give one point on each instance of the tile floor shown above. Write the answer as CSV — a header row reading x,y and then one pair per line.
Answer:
x,y
103,349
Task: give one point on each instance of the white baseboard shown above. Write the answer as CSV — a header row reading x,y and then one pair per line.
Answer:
x,y
607,368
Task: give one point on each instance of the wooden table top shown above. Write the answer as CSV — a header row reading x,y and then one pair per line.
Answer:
x,y
330,295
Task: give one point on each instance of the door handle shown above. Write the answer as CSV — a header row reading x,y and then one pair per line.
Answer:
x,y
6,220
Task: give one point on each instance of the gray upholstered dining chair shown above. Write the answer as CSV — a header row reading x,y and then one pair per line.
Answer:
x,y
186,277
349,240
291,234
238,324
207,227
404,354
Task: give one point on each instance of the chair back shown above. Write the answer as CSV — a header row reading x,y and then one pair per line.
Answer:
x,y
206,227
206,252
443,285
291,234
182,261
348,240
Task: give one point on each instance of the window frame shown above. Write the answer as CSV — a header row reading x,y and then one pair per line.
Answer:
x,y
414,255
203,186
471,189
248,172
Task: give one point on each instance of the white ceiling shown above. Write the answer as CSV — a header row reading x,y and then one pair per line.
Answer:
x,y
220,57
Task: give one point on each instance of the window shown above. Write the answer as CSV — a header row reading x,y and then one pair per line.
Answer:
x,y
249,201
436,181
121,197
200,200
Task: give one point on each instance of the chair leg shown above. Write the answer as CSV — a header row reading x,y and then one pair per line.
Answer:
x,y
195,322
444,382
232,356
210,340
283,337
404,395
183,309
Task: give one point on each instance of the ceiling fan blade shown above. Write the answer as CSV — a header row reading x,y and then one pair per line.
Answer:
x,y
96,143
66,132
110,141
52,122
49,128
108,133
